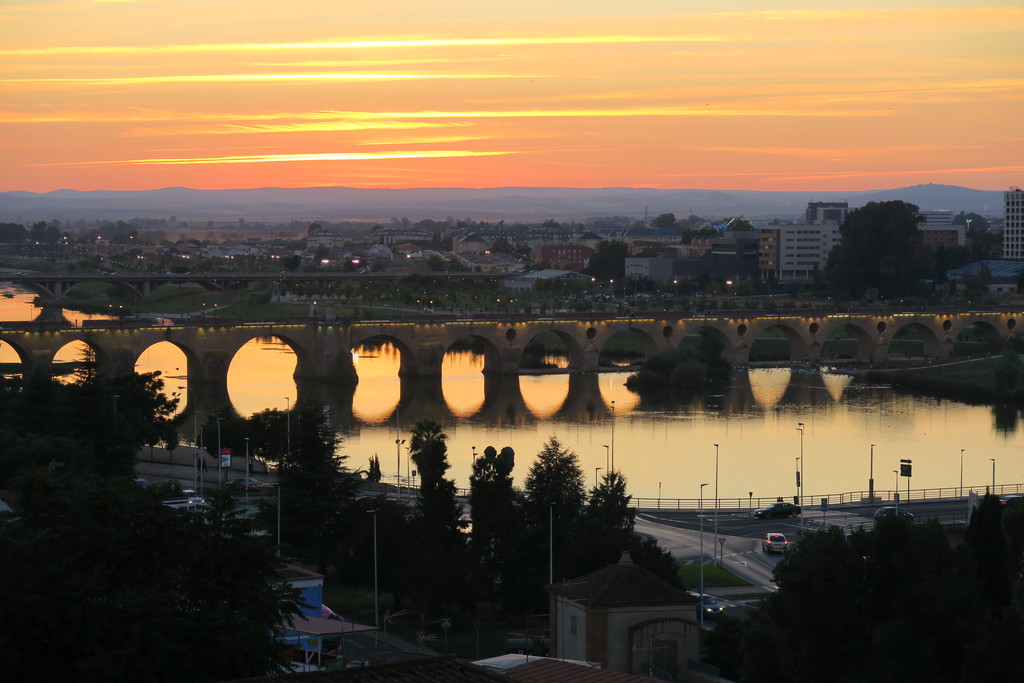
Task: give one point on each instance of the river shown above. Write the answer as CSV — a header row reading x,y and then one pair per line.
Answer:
x,y
745,442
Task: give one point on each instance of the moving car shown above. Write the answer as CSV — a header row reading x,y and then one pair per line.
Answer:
x,y
774,542
1012,501
249,483
710,605
776,510
885,512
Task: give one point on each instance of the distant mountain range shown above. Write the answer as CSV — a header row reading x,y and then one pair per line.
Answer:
x,y
276,205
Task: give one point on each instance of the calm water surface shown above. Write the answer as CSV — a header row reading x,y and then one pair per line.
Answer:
x,y
662,450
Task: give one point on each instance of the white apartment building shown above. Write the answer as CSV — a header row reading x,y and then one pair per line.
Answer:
x,y
1013,229
793,253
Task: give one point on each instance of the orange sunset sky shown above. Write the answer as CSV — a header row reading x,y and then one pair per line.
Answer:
x,y
212,94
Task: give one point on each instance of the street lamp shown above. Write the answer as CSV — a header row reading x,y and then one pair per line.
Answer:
x,y
613,437
716,506
993,475
246,470
220,458
376,592
700,513
800,428
551,544
596,470
606,456
961,490
871,477
398,447
896,492
288,433
195,435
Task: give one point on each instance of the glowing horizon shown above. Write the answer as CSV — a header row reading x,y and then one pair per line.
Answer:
x,y
853,97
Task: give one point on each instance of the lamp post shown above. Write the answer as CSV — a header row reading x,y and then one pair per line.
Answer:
x,y
700,513
796,465
376,592
606,456
961,489
220,459
800,492
871,477
993,475
278,519
716,508
596,470
896,492
288,426
551,544
246,470
613,437
195,435
398,447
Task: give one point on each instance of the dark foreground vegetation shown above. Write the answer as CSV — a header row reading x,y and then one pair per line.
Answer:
x,y
112,585
897,603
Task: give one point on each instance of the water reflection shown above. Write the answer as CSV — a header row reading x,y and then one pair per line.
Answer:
x,y
661,443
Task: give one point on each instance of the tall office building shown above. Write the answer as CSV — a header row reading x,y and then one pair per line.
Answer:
x,y
826,213
1013,230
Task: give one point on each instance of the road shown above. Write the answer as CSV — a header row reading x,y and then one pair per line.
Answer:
x,y
679,531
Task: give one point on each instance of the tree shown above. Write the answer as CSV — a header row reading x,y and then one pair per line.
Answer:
x,y
438,520
880,249
896,603
496,515
665,221
373,472
317,490
608,261
103,423
554,493
139,591
605,527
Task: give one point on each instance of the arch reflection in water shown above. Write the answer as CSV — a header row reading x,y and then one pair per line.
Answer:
x,y
658,440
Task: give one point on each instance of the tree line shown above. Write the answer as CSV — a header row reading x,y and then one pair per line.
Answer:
x,y
118,586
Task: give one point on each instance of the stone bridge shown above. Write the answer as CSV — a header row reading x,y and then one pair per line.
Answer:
x,y
323,347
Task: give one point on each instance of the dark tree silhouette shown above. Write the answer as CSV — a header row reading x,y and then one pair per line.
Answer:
x,y
881,250
139,591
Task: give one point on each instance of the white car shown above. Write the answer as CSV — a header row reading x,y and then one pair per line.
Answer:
x,y
773,542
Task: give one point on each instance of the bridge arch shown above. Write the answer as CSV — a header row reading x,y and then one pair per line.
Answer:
x,y
791,332
934,343
645,334
732,352
410,362
864,337
573,348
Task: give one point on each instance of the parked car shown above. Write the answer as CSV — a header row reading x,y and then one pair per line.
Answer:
x,y
776,510
885,512
243,484
710,605
774,542
1012,501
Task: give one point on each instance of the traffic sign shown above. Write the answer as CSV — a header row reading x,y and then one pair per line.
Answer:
x,y
446,623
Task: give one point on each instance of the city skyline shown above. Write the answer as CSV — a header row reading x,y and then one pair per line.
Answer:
x,y
143,94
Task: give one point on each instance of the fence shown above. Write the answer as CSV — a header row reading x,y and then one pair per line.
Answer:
x,y
811,502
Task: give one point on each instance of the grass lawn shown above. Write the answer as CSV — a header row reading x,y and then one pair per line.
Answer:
x,y
714,576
